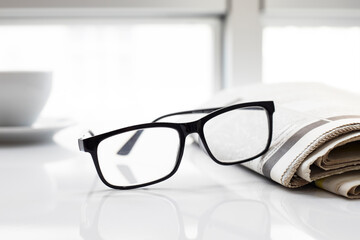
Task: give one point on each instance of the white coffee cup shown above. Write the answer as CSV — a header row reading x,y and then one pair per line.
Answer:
x,y
23,94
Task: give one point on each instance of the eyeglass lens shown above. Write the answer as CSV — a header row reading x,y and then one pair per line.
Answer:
x,y
238,134
153,156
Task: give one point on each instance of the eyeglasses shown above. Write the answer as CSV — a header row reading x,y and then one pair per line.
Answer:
x,y
146,154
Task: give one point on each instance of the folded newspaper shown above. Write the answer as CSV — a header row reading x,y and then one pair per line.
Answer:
x,y
316,135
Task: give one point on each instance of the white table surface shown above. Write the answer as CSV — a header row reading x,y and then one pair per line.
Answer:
x,y
52,191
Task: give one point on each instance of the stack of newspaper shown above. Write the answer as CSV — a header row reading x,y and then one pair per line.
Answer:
x,y
316,135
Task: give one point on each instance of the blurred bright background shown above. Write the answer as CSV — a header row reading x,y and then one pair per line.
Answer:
x,y
116,71
330,55
125,73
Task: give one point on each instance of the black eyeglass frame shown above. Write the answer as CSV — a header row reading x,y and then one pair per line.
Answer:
x,y
91,144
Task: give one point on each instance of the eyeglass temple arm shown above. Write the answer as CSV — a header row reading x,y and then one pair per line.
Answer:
x,y
126,148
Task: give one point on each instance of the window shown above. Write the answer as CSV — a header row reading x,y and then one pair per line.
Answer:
x,y
117,71
329,55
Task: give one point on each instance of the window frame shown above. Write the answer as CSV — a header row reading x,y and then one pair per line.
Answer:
x,y
112,8
77,12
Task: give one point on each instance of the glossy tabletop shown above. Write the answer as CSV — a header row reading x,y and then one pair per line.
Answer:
x,y
51,191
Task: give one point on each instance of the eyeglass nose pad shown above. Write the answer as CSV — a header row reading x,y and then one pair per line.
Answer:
x,y
201,144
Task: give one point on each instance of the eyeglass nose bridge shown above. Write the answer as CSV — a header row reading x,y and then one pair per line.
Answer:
x,y
190,127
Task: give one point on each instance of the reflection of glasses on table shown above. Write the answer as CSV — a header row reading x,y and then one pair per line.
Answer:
x,y
146,154
138,215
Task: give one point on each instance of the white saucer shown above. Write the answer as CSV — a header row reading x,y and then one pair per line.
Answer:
x,y
43,130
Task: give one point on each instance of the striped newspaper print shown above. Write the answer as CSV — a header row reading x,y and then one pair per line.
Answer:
x,y
307,130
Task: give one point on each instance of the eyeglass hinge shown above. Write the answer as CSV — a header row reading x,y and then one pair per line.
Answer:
x,y
81,144
81,140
